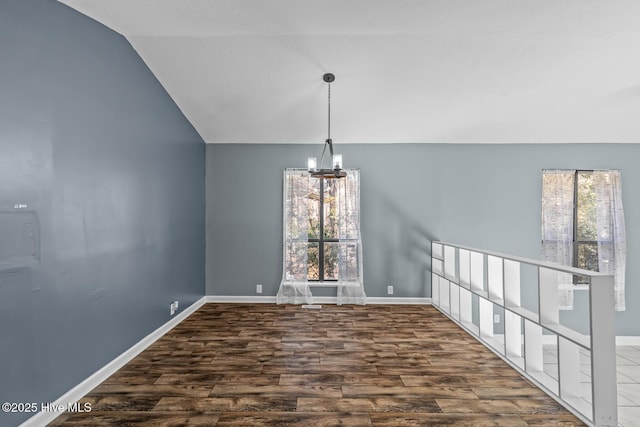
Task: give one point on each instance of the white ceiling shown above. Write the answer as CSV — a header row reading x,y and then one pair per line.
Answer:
x,y
250,71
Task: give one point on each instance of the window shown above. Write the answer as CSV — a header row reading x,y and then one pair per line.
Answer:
x,y
322,258
572,212
322,242
583,226
322,222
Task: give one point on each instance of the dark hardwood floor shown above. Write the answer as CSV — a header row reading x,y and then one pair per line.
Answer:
x,y
269,365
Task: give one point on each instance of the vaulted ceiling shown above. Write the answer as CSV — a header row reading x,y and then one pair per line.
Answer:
x,y
523,71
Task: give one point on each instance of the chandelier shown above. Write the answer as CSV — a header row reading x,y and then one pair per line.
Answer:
x,y
336,159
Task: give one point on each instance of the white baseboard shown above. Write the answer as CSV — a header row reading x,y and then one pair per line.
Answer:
x,y
79,391
251,299
398,300
316,300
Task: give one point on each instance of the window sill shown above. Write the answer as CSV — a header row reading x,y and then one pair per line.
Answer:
x,y
332,284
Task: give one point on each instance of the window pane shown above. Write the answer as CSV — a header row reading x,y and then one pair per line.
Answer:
x,y
313,261
349,253
297,257
588,256
586,208
331,208
313,209
331,264
334,252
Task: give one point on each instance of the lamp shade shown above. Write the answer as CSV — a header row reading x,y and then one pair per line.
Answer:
x,y
312,164
337,161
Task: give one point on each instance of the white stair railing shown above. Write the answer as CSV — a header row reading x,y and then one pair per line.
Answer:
x,y
510,304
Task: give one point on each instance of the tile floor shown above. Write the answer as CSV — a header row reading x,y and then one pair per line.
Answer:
x,y
628,369
628,366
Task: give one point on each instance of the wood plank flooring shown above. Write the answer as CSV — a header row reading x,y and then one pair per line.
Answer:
x,y
269,365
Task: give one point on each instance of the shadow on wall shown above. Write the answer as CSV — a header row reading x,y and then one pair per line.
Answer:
x,y
405,247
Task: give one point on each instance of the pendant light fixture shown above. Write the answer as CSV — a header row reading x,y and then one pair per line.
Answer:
x,y
336,159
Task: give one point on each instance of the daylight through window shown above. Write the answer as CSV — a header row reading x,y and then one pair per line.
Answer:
x,y
583,226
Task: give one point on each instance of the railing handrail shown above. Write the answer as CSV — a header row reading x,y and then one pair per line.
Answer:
x,y
530,261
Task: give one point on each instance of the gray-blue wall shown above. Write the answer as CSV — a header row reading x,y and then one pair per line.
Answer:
x,y
487,196
101,201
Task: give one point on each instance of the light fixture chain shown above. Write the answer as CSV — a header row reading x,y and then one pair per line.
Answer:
x,y
329,113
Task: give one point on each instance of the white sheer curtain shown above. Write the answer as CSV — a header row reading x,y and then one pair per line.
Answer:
x,y
612,241
301,195
557,227
294,288
350,280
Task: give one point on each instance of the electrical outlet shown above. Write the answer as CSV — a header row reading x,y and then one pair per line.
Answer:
x,y
259,288
496,318
389,290
173,308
